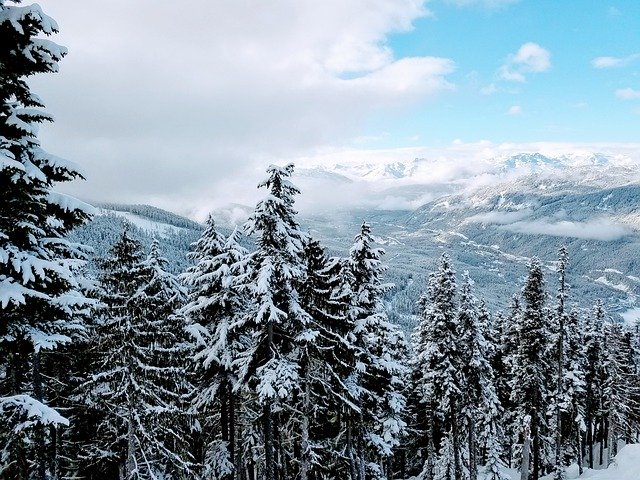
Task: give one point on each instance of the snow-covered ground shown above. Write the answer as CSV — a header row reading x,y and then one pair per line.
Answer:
x,y
630,317
625,467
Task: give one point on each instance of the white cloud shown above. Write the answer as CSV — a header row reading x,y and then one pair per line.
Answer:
x,y
530,58
489,89
628,94
182,99
491,4
597,229
614,62
514,110
500,217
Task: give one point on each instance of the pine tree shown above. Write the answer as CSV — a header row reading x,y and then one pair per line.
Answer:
x,y
504,362
621,388
326,364
529,370
137,383
440,378
480,405
215,310
271,364
379,373
40,297
593,354
560,398
573,403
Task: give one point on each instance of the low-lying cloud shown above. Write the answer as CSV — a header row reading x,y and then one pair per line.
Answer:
x,y
601,229
500,217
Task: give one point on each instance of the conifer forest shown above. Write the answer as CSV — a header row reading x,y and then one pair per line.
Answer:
x,y
267,357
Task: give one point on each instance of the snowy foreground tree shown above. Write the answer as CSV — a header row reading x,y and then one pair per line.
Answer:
x,y
137,387
41,300
215,310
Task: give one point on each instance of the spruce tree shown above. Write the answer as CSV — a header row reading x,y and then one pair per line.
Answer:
x,y
621,391
137,385
560,400
593,355
40,297
440,377
271,364
214,311
380,351
326,363
480,405
529,377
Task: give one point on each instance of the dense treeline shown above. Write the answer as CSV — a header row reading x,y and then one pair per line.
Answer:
x,y
275,362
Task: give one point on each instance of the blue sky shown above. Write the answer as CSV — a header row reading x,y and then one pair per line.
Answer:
x,y
569,101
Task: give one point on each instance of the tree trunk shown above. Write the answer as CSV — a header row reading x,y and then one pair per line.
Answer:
x,y
455,441
613,441
473,463
360,453
269,460
131,449
526,448
41,453
590,440
352,462
559,467
580,449
304,461
535,434
232,432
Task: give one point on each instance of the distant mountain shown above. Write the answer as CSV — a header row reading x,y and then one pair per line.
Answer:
x,y
490,220
493,219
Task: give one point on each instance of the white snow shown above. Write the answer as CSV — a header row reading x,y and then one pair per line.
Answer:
x,y
630,317
149,226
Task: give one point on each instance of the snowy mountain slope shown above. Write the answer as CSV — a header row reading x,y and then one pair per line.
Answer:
x,y
491,224
175,233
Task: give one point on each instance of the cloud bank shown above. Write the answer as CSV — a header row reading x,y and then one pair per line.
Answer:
x,y
601,229
183,99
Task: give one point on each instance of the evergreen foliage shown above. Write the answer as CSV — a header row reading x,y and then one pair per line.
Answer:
x,y
136,388
42,301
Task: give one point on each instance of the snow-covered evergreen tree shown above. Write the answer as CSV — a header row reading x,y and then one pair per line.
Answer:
x,y
137,385
437,359
560,400
573,401
41,300
506,326
593,355
275,321
481,408
326,364
529,376
215,309
380,351
621,390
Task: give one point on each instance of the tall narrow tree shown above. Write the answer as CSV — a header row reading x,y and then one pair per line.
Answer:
x,y
559,472
529,369
380,349
137,380
440,377
40,298
271,365
215,310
